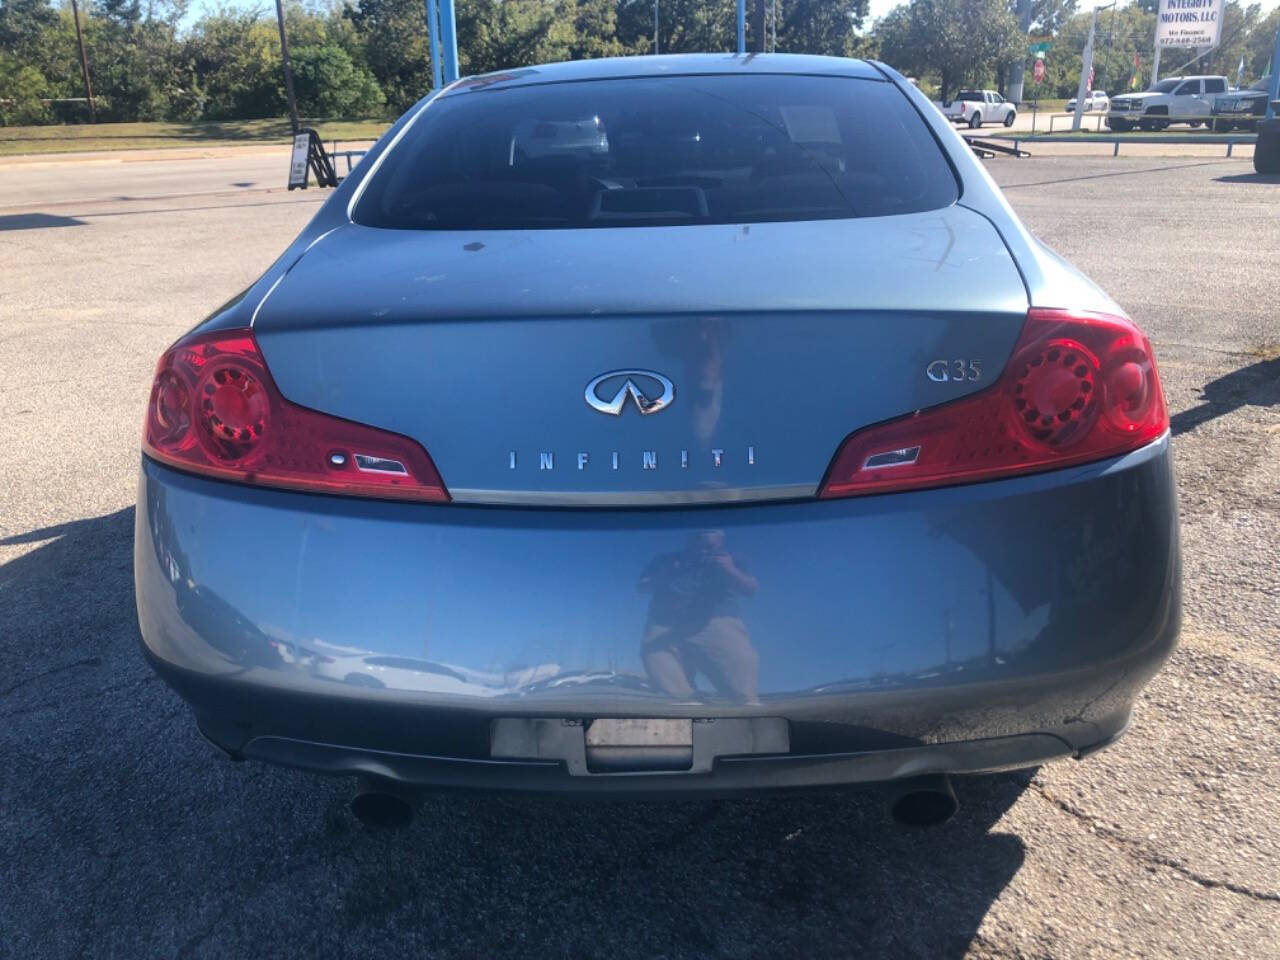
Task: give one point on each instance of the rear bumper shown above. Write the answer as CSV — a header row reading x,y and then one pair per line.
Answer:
x,y
963,630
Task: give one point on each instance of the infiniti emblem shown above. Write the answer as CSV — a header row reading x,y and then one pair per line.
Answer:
x,y
650,391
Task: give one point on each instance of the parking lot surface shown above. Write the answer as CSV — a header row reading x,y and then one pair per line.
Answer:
x,y
124,836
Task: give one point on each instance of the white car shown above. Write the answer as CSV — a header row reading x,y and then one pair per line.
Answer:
x,y
1094,101
976,107
1186,100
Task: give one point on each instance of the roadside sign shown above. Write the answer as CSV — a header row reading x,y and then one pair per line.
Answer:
x,y
1189,23
1038,73
1043,46
298,163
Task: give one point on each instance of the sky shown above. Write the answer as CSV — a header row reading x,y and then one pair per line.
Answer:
x,y
880,7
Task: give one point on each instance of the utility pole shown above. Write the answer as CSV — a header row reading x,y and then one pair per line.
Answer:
x,y
1018,75
1086,67
288,70
84,63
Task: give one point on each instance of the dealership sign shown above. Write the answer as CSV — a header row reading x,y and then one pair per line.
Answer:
x,y
1189,23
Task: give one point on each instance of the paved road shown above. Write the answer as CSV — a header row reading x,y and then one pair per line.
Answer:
x,y
125,177
123,837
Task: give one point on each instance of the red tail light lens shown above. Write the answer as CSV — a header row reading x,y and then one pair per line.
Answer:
x,y
1078,387
215,410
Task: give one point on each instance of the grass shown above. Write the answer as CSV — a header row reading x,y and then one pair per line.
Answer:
x,y
15,141
1044,106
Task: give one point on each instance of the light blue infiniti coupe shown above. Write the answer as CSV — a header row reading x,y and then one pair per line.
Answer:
x,y
661,425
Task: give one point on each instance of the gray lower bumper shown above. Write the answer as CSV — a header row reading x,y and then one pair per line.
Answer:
x,y
955,630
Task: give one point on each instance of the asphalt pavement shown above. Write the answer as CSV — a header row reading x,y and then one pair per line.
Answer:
x,y
124,836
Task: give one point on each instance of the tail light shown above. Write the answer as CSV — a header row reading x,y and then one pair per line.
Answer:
x,y
1078,387
215,410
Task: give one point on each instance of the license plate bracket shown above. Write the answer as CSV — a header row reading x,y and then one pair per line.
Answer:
x,y
631,745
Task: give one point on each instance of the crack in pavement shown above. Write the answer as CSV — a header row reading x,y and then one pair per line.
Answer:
x,y
1139,851
84,662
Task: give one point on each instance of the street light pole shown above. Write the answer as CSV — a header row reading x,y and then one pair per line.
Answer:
x,y
84,63
655,27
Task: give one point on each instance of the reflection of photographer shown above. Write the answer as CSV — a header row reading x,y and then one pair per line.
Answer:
x,y
694,624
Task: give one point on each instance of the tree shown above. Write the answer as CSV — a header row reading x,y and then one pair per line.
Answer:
x,y
328,84
684,26
595,29
393,35
826,27
21,90
957,41
236,56
1049,16
1260,45
1122,34
498,34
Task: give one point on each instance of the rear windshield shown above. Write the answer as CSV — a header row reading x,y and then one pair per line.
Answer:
x,y
660,151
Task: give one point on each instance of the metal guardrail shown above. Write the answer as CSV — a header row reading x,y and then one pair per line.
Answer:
x,y
351,156
348,155
1088,115
1206,119
987,147
1230,140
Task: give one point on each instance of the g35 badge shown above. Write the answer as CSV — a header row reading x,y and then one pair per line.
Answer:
x,y
940,371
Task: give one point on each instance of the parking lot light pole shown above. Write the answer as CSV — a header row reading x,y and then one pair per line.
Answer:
x,y
433,41
449,40
742,27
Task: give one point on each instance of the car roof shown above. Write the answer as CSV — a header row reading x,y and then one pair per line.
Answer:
x,y
669,65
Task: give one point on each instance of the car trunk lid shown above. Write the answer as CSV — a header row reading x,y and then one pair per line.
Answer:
x,y
535,366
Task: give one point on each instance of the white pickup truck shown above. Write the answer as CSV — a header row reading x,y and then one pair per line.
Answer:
x,y
1186,100
976,107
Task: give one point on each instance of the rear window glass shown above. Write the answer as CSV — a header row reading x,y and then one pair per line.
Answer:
x,y
660,151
